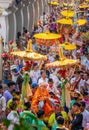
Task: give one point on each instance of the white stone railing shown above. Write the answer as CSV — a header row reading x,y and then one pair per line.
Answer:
x,y
4,4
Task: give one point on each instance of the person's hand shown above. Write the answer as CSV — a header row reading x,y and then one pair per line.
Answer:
x,y
70,115
70,126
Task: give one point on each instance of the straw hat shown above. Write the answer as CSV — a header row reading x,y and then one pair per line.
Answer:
x,y
76,92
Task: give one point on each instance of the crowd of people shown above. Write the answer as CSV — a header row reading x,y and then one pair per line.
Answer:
x,y
41,106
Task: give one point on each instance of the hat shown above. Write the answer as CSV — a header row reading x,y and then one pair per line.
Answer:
x,y
33,85
76,92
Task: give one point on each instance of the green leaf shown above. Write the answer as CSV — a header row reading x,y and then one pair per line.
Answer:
x,y
6,122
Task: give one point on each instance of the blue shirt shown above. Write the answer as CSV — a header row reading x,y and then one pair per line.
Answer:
x,y
7,95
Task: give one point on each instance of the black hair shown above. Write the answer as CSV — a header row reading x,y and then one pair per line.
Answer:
x,y
15,99
77,72
18,35
10,83
27,105
13,106
83,104
1,86
35,64
40,113
85,93
42,71
51,93
58,114
50,80
43,13
77,104
60,120
26,31
57,57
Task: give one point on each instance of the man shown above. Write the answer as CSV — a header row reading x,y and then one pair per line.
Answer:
x,y
86,78
15,70
51,87
43,77
85,114
76,98
76,117
60,122
86,99
77,81
8,93
41,99
41,125
58,112
35,73
2,104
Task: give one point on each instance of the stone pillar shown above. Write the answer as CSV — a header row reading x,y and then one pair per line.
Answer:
x,y
1,50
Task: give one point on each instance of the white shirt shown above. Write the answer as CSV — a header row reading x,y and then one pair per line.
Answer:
x,y
85,118
13,117
41,80
53,89
55,79
35,75
81,83
3,103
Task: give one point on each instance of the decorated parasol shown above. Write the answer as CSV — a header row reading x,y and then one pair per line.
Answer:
x,y
68,5
62,62
81,22
66,21
87,0
69,21
68,13
54,3
47,38
83,6
29,54
68,46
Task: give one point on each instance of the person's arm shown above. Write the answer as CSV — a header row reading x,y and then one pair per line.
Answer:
x,y
87,117
3,104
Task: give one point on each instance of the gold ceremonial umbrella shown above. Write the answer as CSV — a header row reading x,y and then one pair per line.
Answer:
x,y
69,5
81,22
68,13
87,0
68,46
29,54
67,21
47,35
47,38
62,62
54,3
83,6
